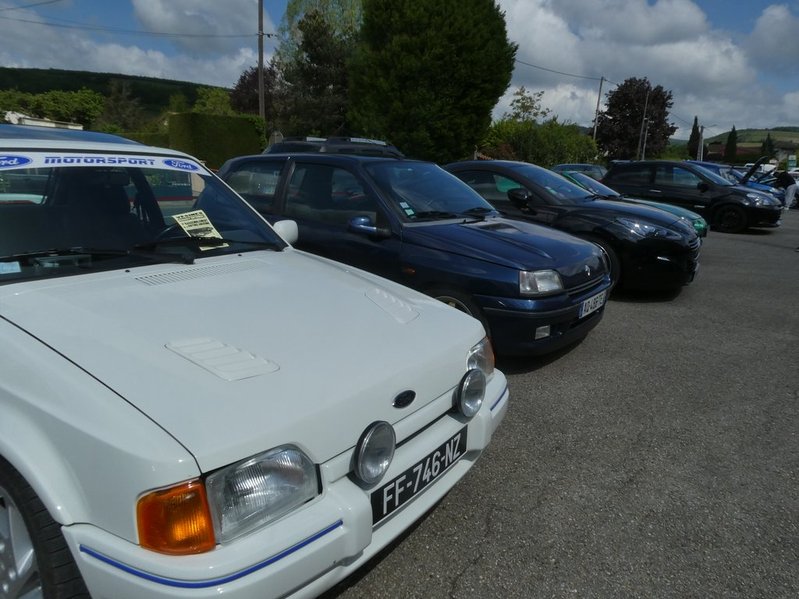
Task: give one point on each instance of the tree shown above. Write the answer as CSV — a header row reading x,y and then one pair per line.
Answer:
x,y
427,74
244,95
635,122
121,111
544,144
526,106
693,141
767,147
312,96
731,147
213,100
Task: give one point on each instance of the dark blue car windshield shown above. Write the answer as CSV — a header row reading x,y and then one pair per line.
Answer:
x,y
559,189
422,191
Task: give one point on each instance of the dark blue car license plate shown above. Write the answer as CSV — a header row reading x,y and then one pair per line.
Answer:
x,y
403,488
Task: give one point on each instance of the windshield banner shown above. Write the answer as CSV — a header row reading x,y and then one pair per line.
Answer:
x,y
17,160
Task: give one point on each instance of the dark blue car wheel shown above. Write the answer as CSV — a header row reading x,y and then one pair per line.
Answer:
x,y
460,301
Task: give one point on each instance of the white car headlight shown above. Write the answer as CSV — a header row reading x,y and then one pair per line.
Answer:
x,y
253,492
481,357
374,452
470,393
539,282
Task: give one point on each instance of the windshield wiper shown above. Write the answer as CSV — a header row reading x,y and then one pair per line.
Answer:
x,y
200,241
100,252
478,212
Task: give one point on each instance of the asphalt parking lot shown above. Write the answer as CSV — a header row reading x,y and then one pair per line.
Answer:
x,y
658,458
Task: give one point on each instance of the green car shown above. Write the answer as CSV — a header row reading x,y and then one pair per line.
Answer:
x,y
597,188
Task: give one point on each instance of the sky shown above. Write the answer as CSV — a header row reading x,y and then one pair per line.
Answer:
x,y
726,62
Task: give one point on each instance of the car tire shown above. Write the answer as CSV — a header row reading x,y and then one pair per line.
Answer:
x,y
730,219
34,557
460,301
612,257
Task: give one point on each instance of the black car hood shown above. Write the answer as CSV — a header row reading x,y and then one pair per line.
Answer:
x,y
508,242
612,209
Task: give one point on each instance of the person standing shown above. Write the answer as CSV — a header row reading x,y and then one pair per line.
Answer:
x,y
788,183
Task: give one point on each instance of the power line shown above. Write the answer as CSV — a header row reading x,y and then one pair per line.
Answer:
x,y
119,30
29,5
535,66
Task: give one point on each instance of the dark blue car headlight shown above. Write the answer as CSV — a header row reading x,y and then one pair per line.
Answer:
x,y
760,199
648,230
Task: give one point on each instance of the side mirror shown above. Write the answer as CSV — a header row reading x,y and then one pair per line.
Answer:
x,y
287,229
702,186
519,197
365,226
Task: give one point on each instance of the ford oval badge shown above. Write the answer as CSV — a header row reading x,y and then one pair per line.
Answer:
x,y
12,161
404,399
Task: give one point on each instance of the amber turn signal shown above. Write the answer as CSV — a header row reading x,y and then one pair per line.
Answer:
x,y
176,521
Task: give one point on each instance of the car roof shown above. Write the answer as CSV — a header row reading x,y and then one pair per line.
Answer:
x,y
32,137
334,145
321,157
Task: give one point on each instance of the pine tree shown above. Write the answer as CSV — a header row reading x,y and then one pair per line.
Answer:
x,y
428,73
693,141
731,148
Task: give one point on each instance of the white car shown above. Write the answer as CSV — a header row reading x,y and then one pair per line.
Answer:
x,y
189,407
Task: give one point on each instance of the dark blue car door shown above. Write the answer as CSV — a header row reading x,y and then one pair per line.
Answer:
x,y
323,199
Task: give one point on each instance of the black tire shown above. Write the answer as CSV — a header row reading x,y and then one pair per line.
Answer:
x,y
460,301
730,219
613,260
38,547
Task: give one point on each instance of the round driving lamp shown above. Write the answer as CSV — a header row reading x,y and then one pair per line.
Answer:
x,y
470,393
374,452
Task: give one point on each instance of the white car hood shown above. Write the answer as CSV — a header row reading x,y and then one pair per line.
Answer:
x,y
238,354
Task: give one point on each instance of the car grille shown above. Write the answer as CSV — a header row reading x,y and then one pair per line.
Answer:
x,y
695,243
586,286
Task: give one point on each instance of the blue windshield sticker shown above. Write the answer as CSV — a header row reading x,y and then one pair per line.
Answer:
x,y
13,161
183,165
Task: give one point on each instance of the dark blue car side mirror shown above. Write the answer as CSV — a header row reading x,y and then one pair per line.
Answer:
x,y
364,225
519,197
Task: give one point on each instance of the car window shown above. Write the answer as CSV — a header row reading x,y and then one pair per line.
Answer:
x,y
67,213
490,186
423,191
257,183
667,174
633,174
329,194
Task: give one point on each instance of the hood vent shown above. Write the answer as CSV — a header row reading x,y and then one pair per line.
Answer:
x,y
402,312
186,274
225,361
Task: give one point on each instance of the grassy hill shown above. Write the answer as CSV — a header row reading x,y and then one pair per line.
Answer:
x,y
153,94
782,133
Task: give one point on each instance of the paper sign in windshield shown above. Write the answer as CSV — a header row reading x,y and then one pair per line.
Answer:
x,y
197,224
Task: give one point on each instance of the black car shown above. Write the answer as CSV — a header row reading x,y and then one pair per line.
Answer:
x,y
534,289
726,206
647,247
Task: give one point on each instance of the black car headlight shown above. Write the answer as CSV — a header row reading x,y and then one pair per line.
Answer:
x,y
644,229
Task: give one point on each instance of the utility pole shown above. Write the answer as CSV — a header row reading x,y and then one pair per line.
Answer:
x,y
700,151
643,123
598,98
261,107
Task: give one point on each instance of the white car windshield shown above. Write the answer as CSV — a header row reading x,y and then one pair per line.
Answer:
x,y
64,213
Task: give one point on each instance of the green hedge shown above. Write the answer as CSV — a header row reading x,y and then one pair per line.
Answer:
x,y
214,139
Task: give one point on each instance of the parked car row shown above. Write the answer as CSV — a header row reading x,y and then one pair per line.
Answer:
x,y
253,393
192,407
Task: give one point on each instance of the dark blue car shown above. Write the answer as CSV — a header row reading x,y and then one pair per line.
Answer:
x,y
534,289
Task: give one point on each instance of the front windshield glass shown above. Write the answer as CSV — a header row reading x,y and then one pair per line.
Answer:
x,y
717,179
425,191
64,213
594,186
559,189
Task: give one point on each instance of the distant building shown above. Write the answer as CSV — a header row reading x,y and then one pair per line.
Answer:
x,y
17,118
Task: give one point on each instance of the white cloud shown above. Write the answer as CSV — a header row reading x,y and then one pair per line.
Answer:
x,y
774,43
